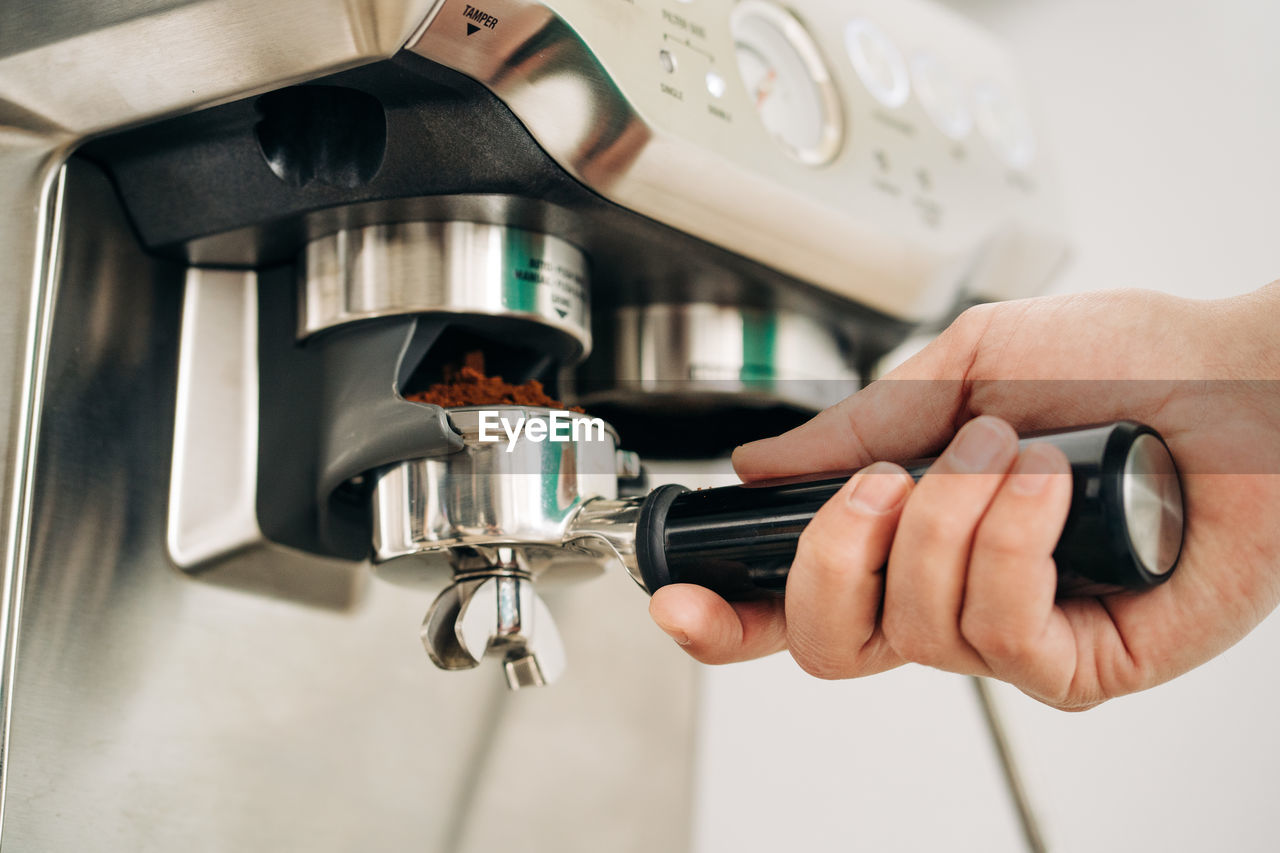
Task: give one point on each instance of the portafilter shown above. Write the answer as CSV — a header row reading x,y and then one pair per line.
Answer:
x,y
532,498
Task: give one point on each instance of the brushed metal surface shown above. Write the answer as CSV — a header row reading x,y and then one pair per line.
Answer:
x,y
213,514
31,189
903,218
1152,497
700,353
499,616
462,268
213,494
500,491
159,712
78,71
69,69
153,711
496,517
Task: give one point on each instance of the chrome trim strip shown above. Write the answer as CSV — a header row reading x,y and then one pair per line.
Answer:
x,y
212,496
22,403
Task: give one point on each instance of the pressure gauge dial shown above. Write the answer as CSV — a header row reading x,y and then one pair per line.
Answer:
x,y
788,81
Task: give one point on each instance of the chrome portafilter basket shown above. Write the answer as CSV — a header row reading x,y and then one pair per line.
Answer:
x,y
495,519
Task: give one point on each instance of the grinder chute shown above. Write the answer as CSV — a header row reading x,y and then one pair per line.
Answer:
x,y
293,420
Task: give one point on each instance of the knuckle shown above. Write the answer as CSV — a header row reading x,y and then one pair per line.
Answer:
x,y
912,644
922,650
938,526
972,322
822,551
1071,704
1077,709
1002,541
847,412
817,660
711,657
819,668
994,640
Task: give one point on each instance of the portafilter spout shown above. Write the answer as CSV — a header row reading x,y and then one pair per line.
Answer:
x,y
495,612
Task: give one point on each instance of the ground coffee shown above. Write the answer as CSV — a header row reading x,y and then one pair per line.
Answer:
x,y
467,385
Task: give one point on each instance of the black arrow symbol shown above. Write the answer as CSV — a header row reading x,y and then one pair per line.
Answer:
x,y
562,314
472,29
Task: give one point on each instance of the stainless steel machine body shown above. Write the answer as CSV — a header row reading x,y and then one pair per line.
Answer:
x,y
910,201
164,710
171,188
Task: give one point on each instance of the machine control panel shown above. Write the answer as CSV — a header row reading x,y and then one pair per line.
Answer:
x,y
882,150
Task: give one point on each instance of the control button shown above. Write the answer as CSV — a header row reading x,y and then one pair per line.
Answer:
x,y
878,62
942,96
668,61
787,80
715,84
1005,126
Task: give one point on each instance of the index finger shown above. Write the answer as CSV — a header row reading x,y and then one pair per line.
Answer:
x,y
890,419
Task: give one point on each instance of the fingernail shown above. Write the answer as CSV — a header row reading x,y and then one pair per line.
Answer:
x,y
679,636
1033,470
979,443
880,488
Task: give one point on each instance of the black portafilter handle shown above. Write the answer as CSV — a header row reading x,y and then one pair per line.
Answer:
x,y
1123,532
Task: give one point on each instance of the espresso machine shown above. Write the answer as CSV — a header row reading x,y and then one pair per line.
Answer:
x,y
242,240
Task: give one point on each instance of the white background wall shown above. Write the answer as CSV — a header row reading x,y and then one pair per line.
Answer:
x,y
1163,117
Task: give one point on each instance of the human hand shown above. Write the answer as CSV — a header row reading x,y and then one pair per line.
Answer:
x,y
970,580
